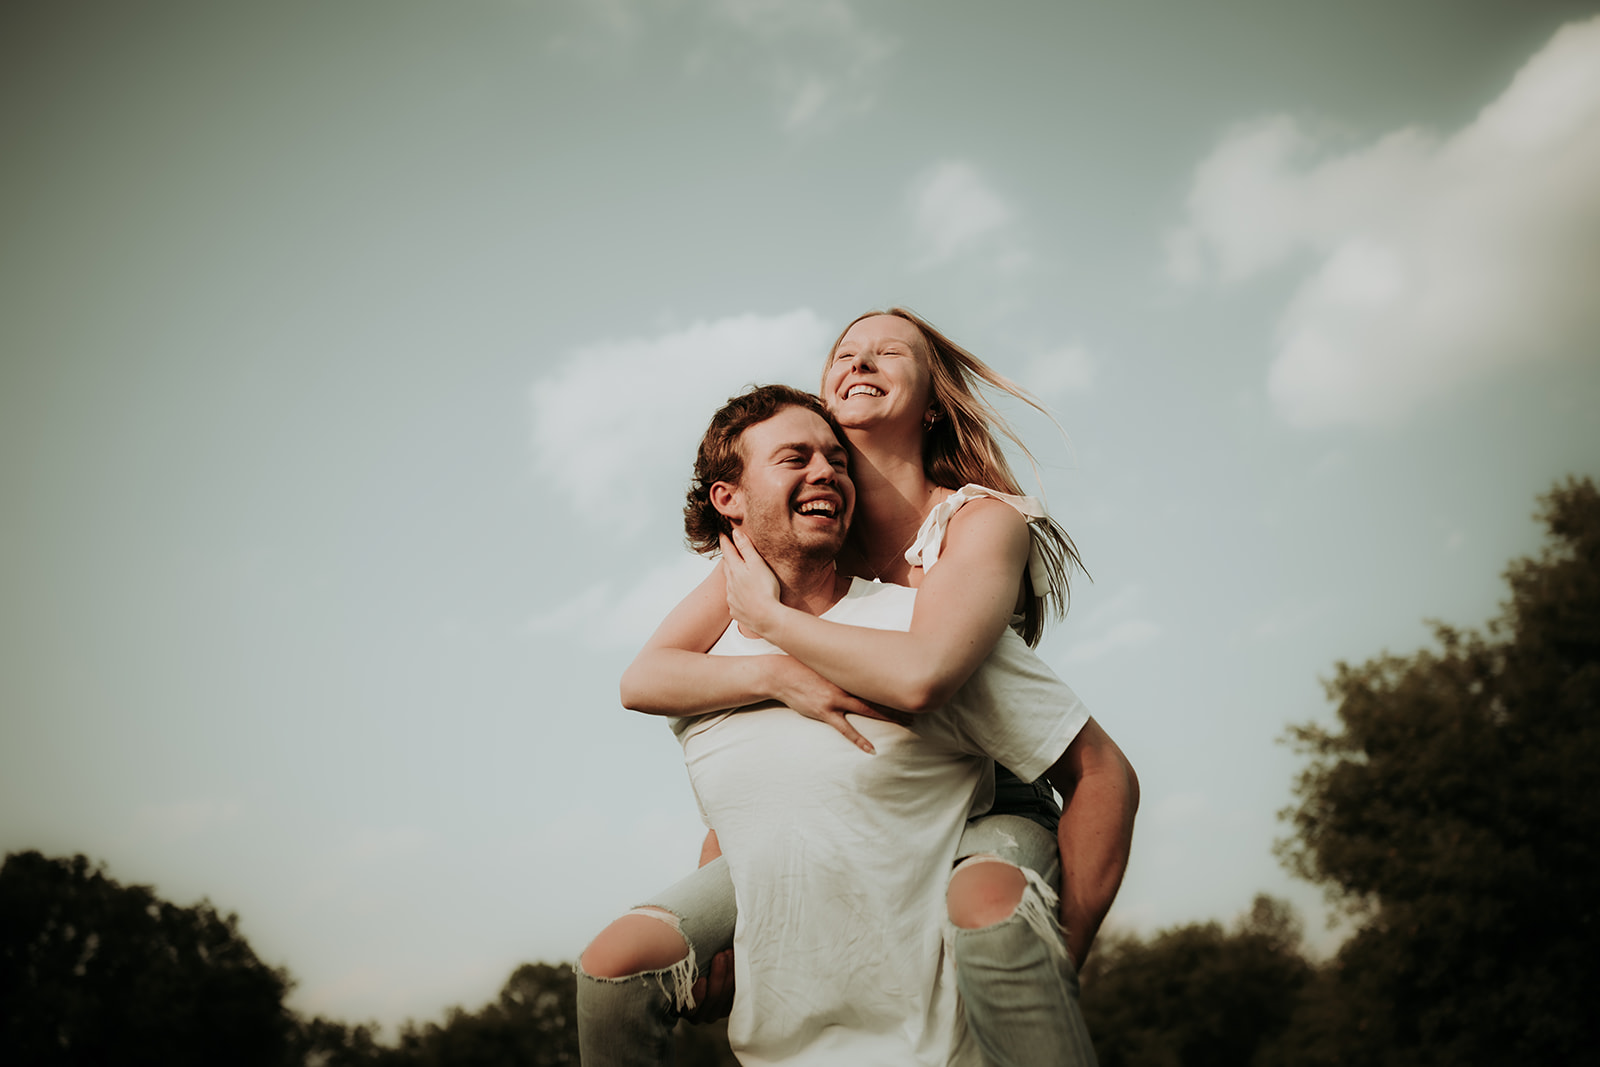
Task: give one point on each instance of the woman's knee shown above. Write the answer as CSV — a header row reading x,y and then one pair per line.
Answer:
x,y
642,941
983,891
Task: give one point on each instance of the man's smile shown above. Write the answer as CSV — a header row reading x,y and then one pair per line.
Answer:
x,y
819,506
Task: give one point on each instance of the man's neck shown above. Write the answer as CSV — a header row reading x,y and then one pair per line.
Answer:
x,y
812,586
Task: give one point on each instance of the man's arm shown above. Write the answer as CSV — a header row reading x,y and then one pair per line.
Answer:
x,y
1101,794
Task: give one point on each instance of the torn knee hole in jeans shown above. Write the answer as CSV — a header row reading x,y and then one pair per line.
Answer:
x,y
1037,907
676,981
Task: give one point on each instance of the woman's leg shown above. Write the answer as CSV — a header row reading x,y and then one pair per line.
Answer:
x,y
1017,982
634,980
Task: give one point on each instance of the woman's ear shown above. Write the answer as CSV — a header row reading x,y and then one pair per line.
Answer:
x,y
726,499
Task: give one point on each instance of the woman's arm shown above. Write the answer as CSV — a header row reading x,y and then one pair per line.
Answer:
x,y
672,675
963,605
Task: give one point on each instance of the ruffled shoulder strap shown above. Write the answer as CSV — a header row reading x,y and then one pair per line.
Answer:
x,y
924,551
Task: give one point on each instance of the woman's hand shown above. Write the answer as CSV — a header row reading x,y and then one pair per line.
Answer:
x,y
804,690
752,587
962,607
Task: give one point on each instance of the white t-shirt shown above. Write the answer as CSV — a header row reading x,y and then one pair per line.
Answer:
x,y
839,860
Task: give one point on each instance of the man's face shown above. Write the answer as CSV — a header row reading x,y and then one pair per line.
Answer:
x,y
795,498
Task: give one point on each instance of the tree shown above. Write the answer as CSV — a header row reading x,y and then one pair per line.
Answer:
x,y
1195,995
531,1024
1455,814
95,972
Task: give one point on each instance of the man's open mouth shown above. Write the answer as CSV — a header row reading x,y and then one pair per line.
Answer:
x,y
826,508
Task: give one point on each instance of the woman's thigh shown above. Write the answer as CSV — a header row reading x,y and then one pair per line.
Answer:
x,y
703,906
1017,840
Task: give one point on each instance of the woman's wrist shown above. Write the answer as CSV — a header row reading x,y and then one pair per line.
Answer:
x,y
774,625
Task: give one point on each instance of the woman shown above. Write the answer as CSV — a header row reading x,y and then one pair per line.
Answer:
x,y
917,431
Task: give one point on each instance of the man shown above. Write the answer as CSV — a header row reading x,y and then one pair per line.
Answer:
x,y
840,859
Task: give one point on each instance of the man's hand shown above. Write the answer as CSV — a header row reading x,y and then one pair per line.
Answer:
x,y
803,689
713,991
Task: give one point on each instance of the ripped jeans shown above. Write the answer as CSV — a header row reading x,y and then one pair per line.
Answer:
x,y
1018,985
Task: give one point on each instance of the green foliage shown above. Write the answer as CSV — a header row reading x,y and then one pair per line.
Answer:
x,y
1195,995
1455,813
327,1043
531,1024
94,972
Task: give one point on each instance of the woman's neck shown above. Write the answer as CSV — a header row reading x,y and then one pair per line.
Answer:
x,y
893,496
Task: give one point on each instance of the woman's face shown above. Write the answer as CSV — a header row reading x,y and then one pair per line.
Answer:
x,y
878,372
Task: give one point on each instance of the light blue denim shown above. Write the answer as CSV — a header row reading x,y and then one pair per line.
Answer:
x,y
627,1022
1017,982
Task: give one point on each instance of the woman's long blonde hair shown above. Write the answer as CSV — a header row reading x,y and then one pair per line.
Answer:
x,y
960,448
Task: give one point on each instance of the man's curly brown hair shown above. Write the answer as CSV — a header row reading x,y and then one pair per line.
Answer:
x,y
719,458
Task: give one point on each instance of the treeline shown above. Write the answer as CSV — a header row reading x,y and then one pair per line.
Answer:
x,y
95,972
1453,814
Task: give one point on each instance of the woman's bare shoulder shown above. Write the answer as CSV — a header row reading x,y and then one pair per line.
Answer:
x,y
986,522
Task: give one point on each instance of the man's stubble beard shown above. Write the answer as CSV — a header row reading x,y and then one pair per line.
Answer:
x,y
797,557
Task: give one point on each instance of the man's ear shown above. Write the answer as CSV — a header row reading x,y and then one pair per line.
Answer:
x,y
726,499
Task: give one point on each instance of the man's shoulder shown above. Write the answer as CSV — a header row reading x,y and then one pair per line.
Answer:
x,y
878,605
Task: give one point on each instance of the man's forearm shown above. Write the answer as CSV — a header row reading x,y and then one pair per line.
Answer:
x,y
1095,835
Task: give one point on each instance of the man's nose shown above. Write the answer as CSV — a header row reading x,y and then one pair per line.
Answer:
x,y
820,470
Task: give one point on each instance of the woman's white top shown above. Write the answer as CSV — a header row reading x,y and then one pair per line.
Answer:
x,y
924,550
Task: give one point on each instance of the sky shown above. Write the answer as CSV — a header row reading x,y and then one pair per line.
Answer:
x,y
353,355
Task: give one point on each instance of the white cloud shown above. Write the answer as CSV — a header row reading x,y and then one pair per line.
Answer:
x,y
954,212
1066,370
1434,260
843,56
618,422
610,615
818,60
